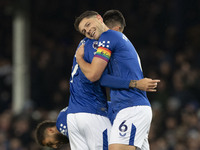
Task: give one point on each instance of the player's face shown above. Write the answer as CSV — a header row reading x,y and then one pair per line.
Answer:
x,y
55,141
92,27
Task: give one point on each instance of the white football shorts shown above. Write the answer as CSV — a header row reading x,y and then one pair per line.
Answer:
x,y
131,127
88,131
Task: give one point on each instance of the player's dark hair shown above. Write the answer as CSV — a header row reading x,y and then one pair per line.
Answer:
x,y
86,14
114,17
40,130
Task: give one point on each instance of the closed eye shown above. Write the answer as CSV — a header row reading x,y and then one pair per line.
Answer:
x,y
87,25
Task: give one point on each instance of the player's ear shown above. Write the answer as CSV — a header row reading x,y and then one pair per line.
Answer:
x,y
50,130
100,18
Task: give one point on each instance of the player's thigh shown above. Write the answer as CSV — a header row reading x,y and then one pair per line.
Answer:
x,y
76,139
131,126
121,147
96,129
145,145
89,128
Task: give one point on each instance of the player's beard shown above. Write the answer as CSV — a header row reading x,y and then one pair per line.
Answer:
x,y
62,140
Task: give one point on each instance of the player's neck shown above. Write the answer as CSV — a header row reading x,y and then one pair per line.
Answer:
x,y
105,28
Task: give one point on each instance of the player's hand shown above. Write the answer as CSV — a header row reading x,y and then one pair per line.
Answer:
x,y
145,84
80,52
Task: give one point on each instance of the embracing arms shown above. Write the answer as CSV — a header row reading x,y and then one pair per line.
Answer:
x,y
94,71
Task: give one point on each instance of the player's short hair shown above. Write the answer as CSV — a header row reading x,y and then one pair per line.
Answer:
x,y
114,17
86,14
40,130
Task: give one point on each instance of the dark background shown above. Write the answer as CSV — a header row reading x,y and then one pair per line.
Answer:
x,y
166,35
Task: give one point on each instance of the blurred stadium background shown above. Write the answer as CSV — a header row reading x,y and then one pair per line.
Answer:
x,y
37,44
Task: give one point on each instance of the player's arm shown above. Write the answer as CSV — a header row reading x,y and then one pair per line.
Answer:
x,y
110,81
92,71
145,84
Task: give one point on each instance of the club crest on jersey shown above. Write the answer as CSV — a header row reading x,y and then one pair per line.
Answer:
x,y
104,44
95,44
124,37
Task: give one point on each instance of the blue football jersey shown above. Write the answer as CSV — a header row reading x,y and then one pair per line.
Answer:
x,y
111,115
124,62
86,96
61,122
